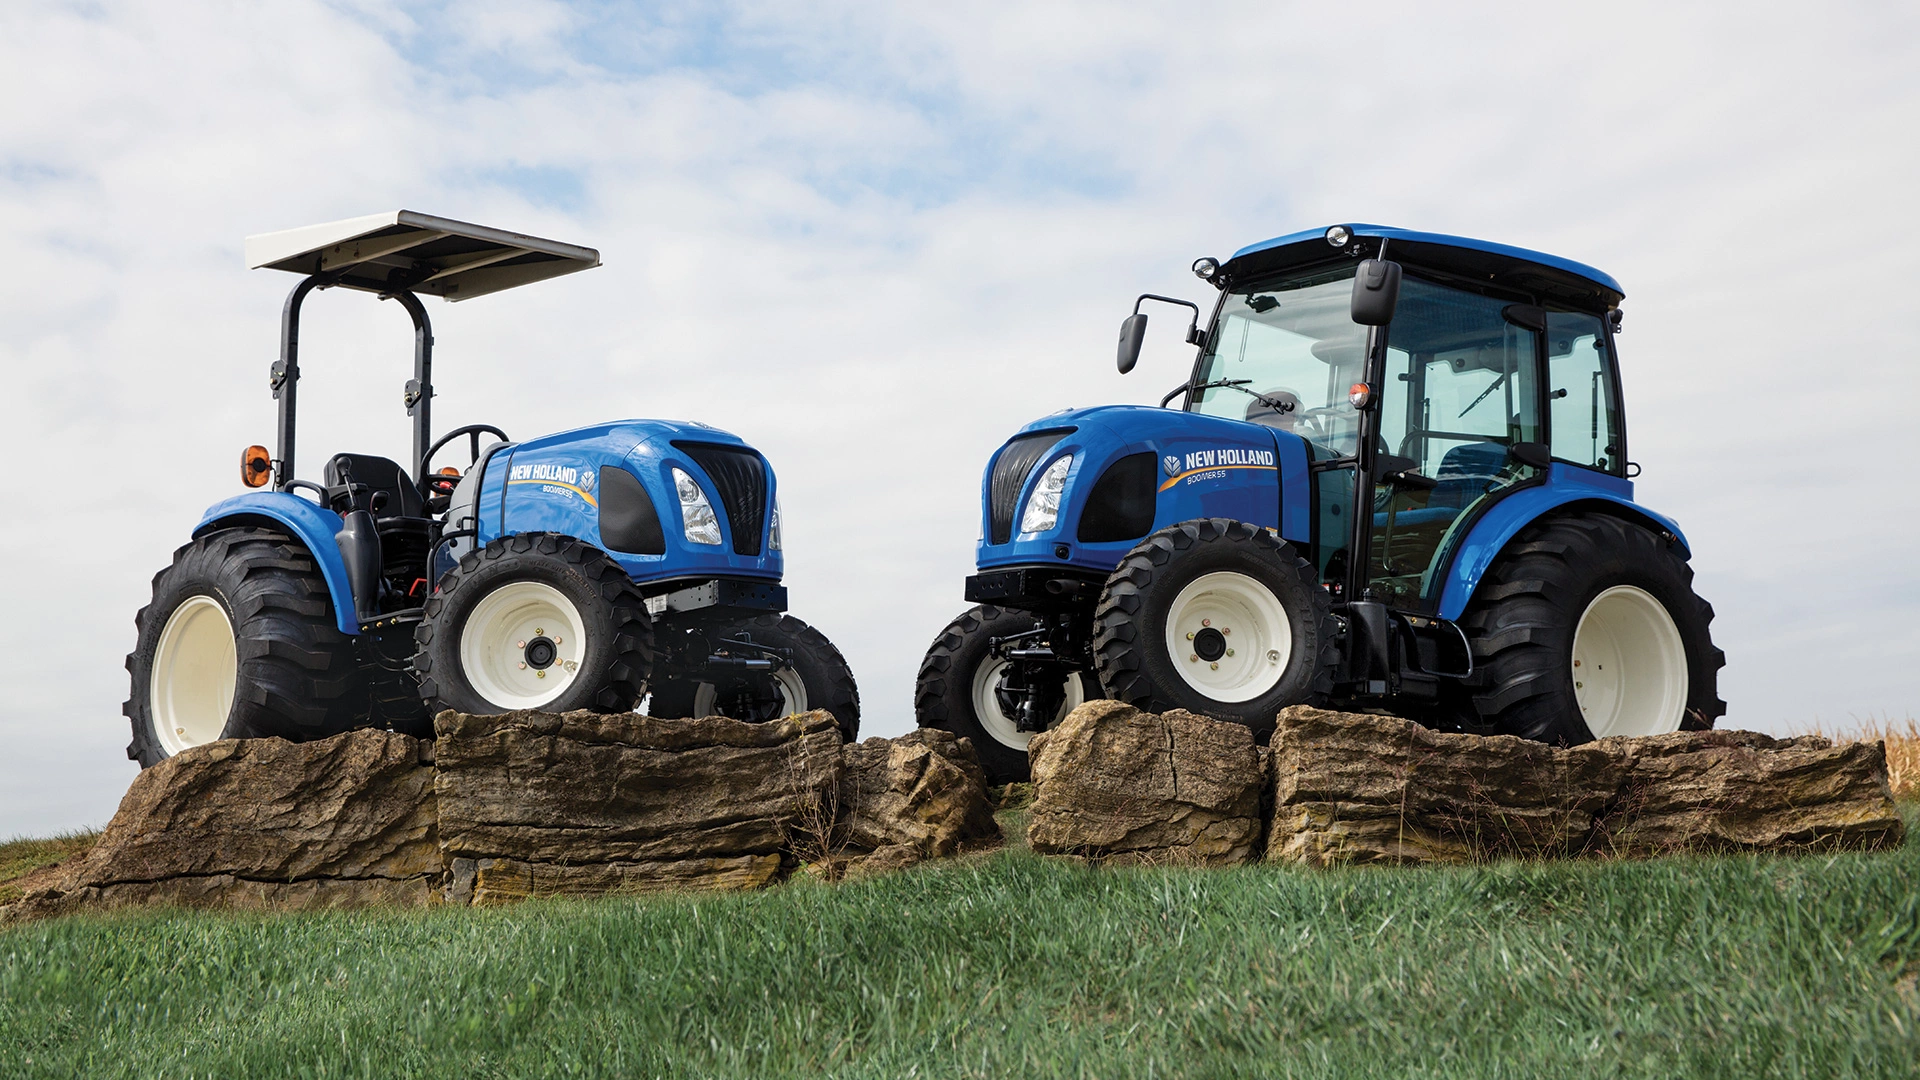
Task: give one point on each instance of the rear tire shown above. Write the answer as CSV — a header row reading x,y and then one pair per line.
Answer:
x,y
955,691
534,621
819,677
1587,627
240,642
1162,633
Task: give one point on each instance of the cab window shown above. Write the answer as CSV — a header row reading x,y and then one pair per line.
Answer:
x,y
1584,425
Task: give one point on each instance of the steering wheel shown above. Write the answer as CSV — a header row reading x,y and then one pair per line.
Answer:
x,y
438,486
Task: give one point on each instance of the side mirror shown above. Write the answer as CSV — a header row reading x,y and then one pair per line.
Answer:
x,y
1376,290
1133,334
1531,453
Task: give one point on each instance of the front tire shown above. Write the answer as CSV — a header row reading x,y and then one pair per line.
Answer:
x,y
534,621
817,678
1587,627
1218,617
240,642
955,691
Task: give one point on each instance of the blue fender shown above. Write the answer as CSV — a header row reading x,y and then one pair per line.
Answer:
x,y
312,525
1565,486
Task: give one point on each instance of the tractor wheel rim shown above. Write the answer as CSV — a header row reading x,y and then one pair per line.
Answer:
x,y
494,650
1228,636
995,721
1629,665
195,668
793,694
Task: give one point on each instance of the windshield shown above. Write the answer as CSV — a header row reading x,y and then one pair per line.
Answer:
x,y
1296,345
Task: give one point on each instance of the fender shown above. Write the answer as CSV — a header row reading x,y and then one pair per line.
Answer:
x,y
1565,486
311,525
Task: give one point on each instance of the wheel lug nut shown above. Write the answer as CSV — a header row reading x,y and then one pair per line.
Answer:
x,y
1215,666
519,644
538,630
1189,636
559,640
523,665
1229,652
1226,629
1206,622
1195,656
1273,656
539,674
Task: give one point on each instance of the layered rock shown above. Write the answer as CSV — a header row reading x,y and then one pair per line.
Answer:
x,y
266,824
1353,787
905,800
582,803
1114,784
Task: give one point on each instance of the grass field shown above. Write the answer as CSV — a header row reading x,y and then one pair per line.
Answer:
x,y
1011,965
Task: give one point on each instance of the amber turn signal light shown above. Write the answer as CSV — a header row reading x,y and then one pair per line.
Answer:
x,y
1360,394
256,466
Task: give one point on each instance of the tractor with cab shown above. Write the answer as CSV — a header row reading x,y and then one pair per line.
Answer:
x,y
624,563
1396,478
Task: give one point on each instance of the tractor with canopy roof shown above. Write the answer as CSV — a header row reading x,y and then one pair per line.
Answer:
x,y
594,568
1397,478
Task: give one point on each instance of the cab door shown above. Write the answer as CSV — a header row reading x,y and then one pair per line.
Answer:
x,y
1462,387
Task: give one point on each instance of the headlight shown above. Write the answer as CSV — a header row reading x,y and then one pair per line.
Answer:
x,y
773,532
696,513
1043,506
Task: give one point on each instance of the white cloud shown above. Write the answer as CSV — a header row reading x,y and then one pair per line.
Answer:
x,y
874,240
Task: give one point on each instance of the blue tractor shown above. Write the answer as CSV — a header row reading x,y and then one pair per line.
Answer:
x,y
1397,479
592,569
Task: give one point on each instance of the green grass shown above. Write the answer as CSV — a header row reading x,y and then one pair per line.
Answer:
x,y
1012,966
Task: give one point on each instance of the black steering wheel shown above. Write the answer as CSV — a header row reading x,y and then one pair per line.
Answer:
x,y
473,433
436,486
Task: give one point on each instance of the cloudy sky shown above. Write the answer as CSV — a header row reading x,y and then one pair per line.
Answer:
x,y
874,239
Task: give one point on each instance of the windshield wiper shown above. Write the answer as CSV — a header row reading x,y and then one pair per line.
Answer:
x,y
1275,404
1491,387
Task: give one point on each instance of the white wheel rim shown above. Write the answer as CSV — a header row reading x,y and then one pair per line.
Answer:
x,y
195,667
1254,631
793,694
1629,665
494,652
1002,728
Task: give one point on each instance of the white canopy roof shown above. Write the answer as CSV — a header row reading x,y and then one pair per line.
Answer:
x,y
401,249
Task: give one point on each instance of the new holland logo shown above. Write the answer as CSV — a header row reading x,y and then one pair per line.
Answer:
x,y
563,480
1171,464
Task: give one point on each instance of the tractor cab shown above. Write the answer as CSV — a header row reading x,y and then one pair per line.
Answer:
x,y
1485,351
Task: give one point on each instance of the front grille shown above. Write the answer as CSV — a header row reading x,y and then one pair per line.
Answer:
x,y
741,477
1010,470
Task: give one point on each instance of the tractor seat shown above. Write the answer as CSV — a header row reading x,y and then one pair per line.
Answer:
x,y
380,474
